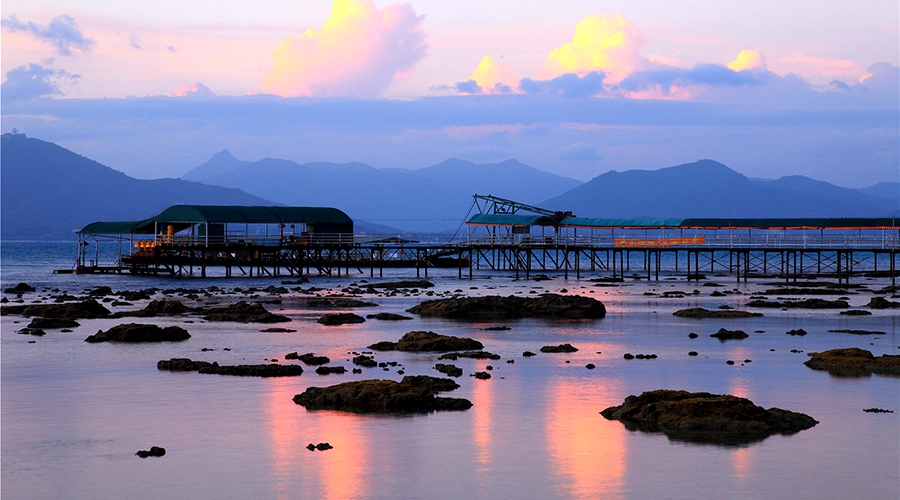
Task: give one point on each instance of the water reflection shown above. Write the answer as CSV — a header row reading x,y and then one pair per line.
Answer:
x,y
483,408
588,451
332,474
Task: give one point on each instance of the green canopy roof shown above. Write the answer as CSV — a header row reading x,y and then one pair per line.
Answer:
x,y
183,216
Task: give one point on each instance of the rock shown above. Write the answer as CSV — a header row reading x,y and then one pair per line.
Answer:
x,y
338,302
385,316
138,295
853,362
550,306
692,335
877,410
497,328
470,354
394,285
701,313
856,312
433,384
335,319
87,309
812,303
450,370
428,341
882,303
859,332
323,446
590,366
100,291
799,331
32,331
135,332
154,451
481,375
53,323
311,359
277,330
724,334
377,396
365,361
692,353
162,307
628,355
20,288
528,354
327,370
269,370
559,348
243,312
705,418
311,447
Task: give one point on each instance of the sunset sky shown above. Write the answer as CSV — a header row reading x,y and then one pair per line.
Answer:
x,y
578,88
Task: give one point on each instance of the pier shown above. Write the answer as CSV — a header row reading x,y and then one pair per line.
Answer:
x,y
502,236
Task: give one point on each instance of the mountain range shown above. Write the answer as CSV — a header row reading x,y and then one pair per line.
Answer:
x,y
48,191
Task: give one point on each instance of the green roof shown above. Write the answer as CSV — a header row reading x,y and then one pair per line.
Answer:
x,y
186,215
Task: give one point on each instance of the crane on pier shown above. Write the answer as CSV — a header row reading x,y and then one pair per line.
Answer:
x,y
497,205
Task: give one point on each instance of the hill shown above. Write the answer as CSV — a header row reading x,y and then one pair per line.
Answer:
x,y
47,192
427,200
710,189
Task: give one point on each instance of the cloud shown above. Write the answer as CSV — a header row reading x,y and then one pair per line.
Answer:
x,y
193,89
580,152
491,77
32,82
61,32
567,85
748,60
602,43
358,51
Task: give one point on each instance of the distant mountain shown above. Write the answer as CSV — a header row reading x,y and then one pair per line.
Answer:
x,y
220,163
427,200
709,189
889,190
48,191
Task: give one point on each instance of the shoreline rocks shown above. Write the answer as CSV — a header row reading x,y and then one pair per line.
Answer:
x,y
701,313
377,396
244,312
420,341
495,307
724,334
337,319
559,348
188,365
853,362
137,332
705,418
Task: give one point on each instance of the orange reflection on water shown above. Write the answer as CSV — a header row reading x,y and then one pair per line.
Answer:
x,y
589,450
482,408
332,474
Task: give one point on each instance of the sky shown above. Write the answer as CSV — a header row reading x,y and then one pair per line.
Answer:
x,y
575,88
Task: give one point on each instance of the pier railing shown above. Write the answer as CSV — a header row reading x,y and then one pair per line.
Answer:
x,y
845,241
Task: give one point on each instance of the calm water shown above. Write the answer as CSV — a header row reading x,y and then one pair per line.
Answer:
x,y
73,413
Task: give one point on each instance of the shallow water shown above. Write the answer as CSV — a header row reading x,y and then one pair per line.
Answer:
x,y
74,413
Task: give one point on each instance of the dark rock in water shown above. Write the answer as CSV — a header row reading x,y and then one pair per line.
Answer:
x,y
311,359
799,331
692,335
858,332
853,362
724,334
188,365
393,285
87,309
365,361
856,312
877,410
138,295
590,366
450,370
705,418
385,316
338,302
528,354
335,319
497,329
481,375
549,306
326,370
52,323
882,303
812,303
377,396
470,354
100,291
701,313
277,330
628,355
433,384
20,288
323,446
692,353
154,451
135,332
32,331
243,312
428,341
559,348
162,307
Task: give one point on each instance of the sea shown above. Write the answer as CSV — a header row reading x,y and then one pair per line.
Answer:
x,y
74,413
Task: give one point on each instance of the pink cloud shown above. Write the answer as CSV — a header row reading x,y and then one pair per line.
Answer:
x,y
358,51
493,76
193,89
